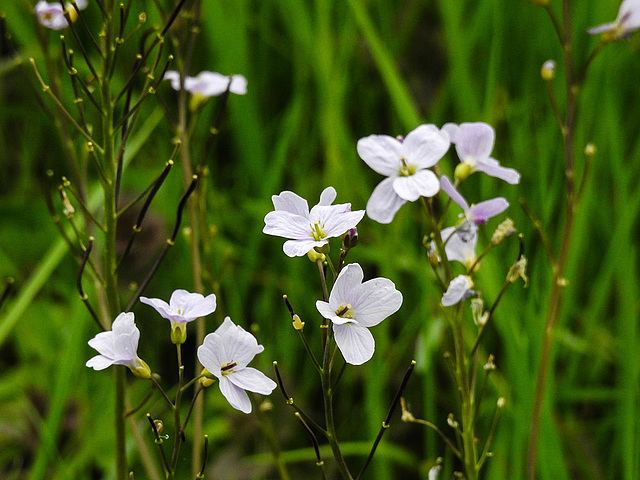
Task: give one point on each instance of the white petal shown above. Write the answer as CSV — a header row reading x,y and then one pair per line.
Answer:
x,y
425,146
329,313
240,346
384,202
492,167
161,307
334,220
423,183
291,202
238,85
299,248
355,342
346,285
381,152
236,396
459,289
212,353
99,362
252,380
327,196
377,299
286,224
174,77
452,130
603,28
192,305
103,343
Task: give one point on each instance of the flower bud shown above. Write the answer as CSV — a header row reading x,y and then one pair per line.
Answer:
x,y
140,369
314,255
480,317
297,323
505,229
208,379
590,149
350,239
178,333
462,171
159,424
548,70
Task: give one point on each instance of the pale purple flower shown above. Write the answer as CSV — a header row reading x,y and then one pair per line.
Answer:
x,y
183,306
406,165
627,21
225,354
119,347
51,15
355,306
306,228
459,289
479,213
208,84
474,144
460,243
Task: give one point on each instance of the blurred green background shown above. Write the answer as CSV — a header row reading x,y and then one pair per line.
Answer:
x,y
323,74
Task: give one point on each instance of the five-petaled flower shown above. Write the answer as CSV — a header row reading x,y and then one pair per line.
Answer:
x,y
52,15
406,165
306,228
355,306
225,354
627,21
119,347
459,289
208,84
474,144
479,213
183,307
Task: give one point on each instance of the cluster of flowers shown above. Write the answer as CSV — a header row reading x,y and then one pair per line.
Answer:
x,y
224,353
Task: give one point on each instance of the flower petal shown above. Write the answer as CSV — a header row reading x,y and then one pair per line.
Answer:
x,y
423,183
376,300
384,202
381,152
459,289
286,224
252,380
449,189
291,202
355,342
346,285
99,362
452,130
483,211
327,196
212,353
425,146
475,140
492,168
299,248
236,396
334,219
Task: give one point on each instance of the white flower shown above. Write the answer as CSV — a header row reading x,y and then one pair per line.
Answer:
x,y
308,229
119,347
354,306
460,243
406,165
459,289
474,144
627,21
208,84
51,15
225,353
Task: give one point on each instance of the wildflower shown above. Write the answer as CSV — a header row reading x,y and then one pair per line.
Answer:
x,y
354,306
119,347
460,243
208,84
627,21
474,144
459,289
52,15
226,353
480,213
406,165
308,229
183,307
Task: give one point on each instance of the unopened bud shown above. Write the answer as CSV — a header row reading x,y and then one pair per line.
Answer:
x,y
489,366
462,171
314,255
140,369
350,239
297,323
451,420
590,149
480,317
159,424
548,70
178,333
142,18
208,379
506,228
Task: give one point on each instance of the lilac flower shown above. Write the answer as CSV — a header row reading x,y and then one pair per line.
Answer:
x,y
474,144
406,165
51,15
627,21
459,289
119,347
208,84
354,306
226,353
308,229
460,243
480,213
183,307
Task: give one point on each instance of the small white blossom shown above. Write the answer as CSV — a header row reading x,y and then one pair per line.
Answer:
x,y
119,347
226,353
406,165
460,243
306,228
51,15
355,306
208,84
459,289
627,21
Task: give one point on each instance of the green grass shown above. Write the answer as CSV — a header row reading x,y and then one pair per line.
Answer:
x,y
323,74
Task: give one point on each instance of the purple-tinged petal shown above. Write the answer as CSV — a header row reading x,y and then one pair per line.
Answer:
x,y
605,27
381,152
355,342
236,396
492,168
423,183
160,306
483,211
449,189
452,130
384,202
475,141
425,146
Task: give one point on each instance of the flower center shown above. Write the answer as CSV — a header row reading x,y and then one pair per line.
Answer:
x,y
344,311
227,368
317,232
407,169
